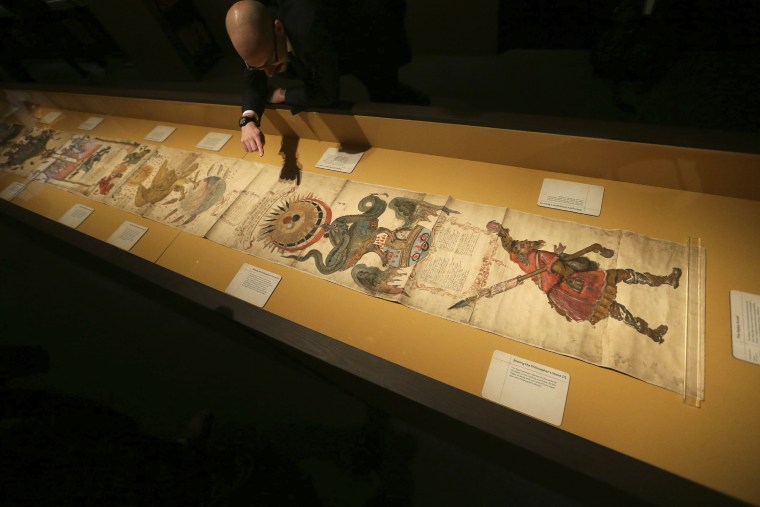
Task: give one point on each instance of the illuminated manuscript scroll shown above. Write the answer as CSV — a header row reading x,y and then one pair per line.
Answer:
x,y
609,297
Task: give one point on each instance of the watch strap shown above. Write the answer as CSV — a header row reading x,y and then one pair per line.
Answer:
x,y
249,116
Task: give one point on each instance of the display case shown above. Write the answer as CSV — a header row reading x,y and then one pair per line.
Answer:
x,y
629,434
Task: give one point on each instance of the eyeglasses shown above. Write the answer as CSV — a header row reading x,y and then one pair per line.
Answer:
x,y
271,61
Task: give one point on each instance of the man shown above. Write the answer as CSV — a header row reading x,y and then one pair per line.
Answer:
x,y
317,41
577,289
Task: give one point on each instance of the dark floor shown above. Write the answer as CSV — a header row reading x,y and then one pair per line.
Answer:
x,y
131,365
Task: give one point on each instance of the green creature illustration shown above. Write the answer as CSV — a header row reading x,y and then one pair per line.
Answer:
x,y
354,236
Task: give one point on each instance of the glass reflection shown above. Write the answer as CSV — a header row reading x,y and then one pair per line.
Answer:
x,y
681,63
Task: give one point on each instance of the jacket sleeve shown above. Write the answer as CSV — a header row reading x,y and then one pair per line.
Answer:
x,y
319,69
254,91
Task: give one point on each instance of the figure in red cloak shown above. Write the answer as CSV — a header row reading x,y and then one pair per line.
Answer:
x,y
576,288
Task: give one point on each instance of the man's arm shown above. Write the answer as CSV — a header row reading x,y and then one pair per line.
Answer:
x,y
311,27
321,80
254,99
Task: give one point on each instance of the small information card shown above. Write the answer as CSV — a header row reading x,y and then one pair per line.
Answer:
x,y
76,215
571,196
50,117
160,133
127,235
90,123
213,141
253,285
340,161
12,190
531,388
745,326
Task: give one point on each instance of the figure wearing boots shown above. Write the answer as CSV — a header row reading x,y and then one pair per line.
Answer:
x,y
577,289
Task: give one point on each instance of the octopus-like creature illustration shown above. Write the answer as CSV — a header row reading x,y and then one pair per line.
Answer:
x,y
352,237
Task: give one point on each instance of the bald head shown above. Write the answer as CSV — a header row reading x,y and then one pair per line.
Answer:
x,y
249,27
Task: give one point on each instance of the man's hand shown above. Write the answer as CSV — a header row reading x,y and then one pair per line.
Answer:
x,y
252,139
277,96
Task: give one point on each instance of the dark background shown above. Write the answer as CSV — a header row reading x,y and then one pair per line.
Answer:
x,y
689,63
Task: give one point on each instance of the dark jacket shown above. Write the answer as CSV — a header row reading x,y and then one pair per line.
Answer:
x,y
331,38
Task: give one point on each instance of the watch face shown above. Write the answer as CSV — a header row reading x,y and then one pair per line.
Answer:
x,y
245,120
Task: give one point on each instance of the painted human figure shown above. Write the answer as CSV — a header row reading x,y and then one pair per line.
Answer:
x,y
577,289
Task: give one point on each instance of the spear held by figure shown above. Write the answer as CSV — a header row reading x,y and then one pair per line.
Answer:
x,y
506,285
576,288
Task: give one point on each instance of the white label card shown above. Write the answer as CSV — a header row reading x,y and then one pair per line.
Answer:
x,y
160,133
90,123
745,326
531,388
76,215
127,235
12,190
571,196
253,285
50,117
213,141
340,161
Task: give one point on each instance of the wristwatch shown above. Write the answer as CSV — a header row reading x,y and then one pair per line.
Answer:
x,y
245,120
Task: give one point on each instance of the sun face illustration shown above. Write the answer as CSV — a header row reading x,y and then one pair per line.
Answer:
x,y
295,223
